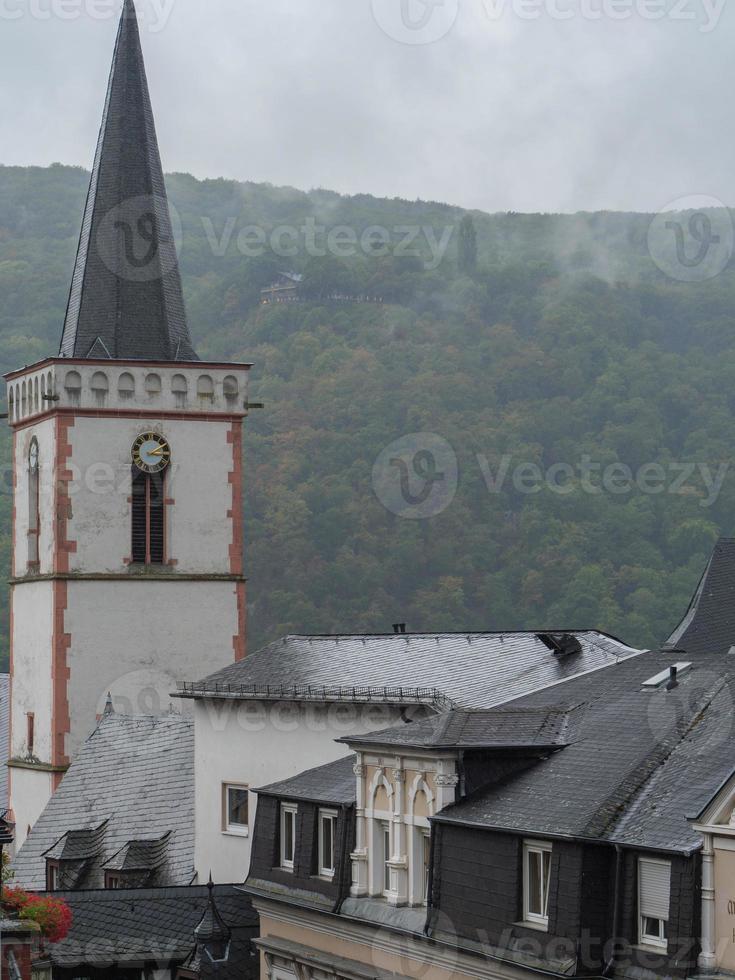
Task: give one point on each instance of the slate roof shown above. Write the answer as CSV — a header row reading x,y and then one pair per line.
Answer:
x,y
709,625
79,845
333,783
156,926
512,728
125,300
136,774
641,762
628,773
140,855
468,670
4,738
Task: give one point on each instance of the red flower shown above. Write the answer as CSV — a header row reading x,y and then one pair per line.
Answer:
x,y
53,915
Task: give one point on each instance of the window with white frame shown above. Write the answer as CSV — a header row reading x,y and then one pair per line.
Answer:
x,y
654,888
426,863
385,855
536,882
327,836
235,809
288,835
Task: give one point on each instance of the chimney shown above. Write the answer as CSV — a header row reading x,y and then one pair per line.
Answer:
x,y
673,678
399,628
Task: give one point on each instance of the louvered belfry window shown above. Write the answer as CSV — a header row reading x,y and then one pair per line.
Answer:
x,y
149,510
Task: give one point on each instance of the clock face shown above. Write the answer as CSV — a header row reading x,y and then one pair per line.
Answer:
x,y
151,453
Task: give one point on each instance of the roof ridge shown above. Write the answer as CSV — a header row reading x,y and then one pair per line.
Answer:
x,y
635,782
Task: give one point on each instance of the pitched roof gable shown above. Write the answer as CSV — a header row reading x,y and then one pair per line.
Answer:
x,y
131,785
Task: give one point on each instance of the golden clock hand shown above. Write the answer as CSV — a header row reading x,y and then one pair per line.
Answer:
x,y
158,452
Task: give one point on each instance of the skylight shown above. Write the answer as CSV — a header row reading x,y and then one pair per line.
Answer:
x,y
665,675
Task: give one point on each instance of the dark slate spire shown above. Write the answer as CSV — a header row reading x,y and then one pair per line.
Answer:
x,y
212,934
126,301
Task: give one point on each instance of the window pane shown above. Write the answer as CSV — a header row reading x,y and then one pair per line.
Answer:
x,y
654,929
427,863
237,807
386,858
546,881
327,844
535,906
288,835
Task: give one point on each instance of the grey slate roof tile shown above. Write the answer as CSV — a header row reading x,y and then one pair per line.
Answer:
x,y
4,738
472,670
491,729
137,926
126,300
137,773
641,762
332,783
709,625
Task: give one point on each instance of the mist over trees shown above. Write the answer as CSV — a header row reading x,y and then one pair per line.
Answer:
x,y
541,341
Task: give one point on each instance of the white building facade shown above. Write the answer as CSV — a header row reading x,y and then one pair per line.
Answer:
x,y
127,568
87,617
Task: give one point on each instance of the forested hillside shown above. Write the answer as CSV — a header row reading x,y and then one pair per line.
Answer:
x,y
546,340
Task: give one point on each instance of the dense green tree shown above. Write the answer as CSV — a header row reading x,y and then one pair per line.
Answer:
x,y
467,246
587,400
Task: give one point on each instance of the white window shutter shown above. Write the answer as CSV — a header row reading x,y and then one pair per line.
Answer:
x,y
655,887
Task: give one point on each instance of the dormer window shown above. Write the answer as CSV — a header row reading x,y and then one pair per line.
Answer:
x,y
536,883
288,835
654,887
327,835
112,880
53,876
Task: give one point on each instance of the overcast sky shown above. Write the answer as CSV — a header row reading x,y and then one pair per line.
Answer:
x,y
523,105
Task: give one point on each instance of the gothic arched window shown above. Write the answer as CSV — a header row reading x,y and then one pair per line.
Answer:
x,y
34,528
148,517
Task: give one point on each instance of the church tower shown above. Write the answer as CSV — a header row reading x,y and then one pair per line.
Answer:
x,y
127,567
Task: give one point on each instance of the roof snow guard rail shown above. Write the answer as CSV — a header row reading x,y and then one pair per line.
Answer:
x,y
318,693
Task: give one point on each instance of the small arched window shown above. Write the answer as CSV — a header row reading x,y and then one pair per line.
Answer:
x,y
100,386
231,389
180,389
205,388
34,528
126,386
153,385
73,387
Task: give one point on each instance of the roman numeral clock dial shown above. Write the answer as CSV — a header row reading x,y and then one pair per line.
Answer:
x,y
151,453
